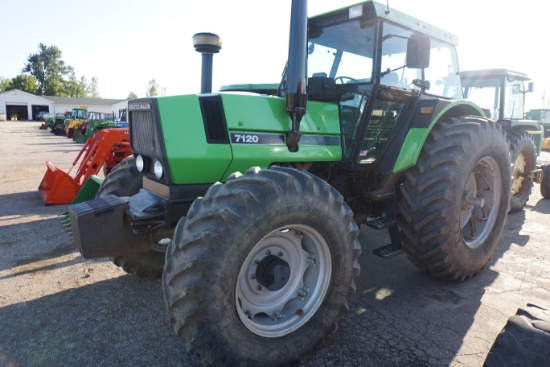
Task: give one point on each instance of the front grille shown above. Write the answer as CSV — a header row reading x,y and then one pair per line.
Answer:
x,y
143,135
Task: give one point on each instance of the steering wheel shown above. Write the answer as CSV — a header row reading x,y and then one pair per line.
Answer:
x,y
341,79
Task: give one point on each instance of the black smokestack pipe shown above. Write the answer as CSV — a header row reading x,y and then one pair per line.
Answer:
x,y
207,44
296,93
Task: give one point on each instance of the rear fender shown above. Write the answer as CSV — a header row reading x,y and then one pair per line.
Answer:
x,y
414,141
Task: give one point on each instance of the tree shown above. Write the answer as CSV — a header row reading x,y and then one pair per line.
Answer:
x,y
26,83
153,89
132,95
74,88
83,86
49,70
5,84
93,88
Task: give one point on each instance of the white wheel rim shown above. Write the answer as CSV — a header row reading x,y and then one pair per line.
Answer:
x,y
299,259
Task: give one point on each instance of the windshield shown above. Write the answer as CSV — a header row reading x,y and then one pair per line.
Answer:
x,y
343,52
78,114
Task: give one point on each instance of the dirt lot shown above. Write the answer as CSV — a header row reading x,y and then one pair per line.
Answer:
x,y
58,309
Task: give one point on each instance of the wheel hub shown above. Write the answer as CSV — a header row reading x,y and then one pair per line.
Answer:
x,y
480,202
273,272
283,281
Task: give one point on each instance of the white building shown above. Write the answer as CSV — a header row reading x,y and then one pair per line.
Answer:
x,y
25,106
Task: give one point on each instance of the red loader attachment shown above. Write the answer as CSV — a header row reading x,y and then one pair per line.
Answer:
x,y
106,148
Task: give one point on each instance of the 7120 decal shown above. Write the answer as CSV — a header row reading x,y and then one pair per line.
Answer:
x,y
266,139
245,138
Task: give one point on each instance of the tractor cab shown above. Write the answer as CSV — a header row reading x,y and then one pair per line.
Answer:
x,y
500,92
376,64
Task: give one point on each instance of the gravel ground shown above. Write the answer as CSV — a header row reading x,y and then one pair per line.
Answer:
x,y
58,309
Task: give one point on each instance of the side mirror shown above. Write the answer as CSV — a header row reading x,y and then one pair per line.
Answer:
x,y
418,52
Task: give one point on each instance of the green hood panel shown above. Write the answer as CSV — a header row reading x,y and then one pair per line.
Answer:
x,y
256,124
256,112
190,159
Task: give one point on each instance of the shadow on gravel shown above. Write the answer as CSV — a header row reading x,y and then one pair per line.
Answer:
x,y
52,243
27,203
117,322
400,316
541,206
28,216
511,233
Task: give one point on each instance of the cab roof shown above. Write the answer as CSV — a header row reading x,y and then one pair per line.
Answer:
x,y
369,10
493,74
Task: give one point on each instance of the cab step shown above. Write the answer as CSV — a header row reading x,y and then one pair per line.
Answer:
x,y
381,223
388,251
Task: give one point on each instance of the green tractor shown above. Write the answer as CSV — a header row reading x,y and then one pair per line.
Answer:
x,y
247,202
96,121
542,115
57,121
501,92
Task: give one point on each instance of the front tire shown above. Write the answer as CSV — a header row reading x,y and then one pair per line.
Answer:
x,y
261,268
455,200
125,180
523,341
524,160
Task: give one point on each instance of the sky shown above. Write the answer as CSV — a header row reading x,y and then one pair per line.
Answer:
x,y
127,43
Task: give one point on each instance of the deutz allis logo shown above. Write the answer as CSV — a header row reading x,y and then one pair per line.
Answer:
x,y
139,106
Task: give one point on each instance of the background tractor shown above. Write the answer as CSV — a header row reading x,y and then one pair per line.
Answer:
x,y
95,121
367,126
542,115
78,116
56,121
501,92
59,123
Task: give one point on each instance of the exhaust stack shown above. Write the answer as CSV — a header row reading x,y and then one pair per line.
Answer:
x,y
207,44
296,93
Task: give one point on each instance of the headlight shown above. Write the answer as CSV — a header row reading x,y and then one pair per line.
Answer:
x,y
139,163
159,171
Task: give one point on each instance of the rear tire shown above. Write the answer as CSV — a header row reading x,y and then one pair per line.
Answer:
x,y
524,159
125,180
455,200
261,268
545,183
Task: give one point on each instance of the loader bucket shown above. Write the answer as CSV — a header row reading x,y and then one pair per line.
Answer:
x,y
103,150
57,187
